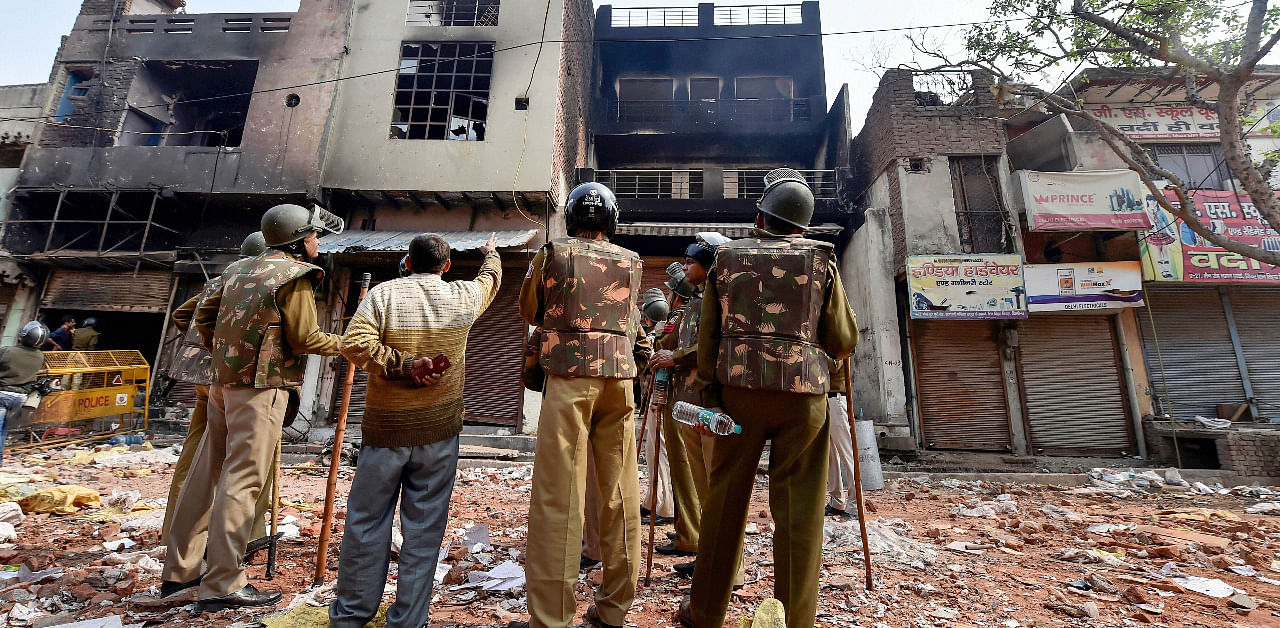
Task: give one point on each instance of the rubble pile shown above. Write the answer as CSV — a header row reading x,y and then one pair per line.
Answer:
x,y
79,541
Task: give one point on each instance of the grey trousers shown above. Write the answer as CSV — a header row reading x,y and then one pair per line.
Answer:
x,y
422,477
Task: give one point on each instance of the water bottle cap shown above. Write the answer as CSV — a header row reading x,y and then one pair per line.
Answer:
x,y
737,429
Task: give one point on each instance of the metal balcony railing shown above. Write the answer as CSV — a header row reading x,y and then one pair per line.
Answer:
x,y
676,184
651,17
758,15
708,111
750,183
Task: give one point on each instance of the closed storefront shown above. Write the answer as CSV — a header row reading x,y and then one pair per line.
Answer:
x,y
960,385
1187,346
1213,345
1075,398
130,308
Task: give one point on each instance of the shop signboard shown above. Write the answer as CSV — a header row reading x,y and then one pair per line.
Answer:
x,y
966,286
1094,200
1171,251
1084,287
1170,121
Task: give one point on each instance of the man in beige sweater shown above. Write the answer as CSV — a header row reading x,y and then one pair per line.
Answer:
x,y
410,429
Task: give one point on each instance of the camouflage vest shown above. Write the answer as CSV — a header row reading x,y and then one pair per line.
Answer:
x,y
249,345
194,364
772,292
590,290
684,379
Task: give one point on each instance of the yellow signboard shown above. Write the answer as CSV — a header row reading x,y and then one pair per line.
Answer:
x,y
78,405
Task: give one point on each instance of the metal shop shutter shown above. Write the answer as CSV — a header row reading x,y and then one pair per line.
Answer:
x,y
1257,314
1071,376
960,385
1193,338
495,356
109,292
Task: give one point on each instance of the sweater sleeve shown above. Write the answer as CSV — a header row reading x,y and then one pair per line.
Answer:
x,y
487,281
362,342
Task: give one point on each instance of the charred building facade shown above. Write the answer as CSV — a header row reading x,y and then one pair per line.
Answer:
x,y
691,106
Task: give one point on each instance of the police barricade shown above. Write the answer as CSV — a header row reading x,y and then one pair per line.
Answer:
x,y
95,395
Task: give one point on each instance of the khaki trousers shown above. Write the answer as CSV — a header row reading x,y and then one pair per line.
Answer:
x,y
798,427
591,512
576,411
237,449
700,449
199,416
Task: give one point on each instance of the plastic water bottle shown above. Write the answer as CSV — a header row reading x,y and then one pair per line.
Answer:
x,y
718,422
661,386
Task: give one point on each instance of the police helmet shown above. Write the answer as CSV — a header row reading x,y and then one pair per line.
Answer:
x,y
254,245
89,322
34,334
591,207
287,223
703,248
787,197
654,306
676,283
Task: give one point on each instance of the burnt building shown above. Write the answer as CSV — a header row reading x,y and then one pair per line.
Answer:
x,y
164,137
691,106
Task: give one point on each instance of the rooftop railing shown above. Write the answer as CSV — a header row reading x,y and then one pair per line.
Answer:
x,y
654,17
758,15
678,184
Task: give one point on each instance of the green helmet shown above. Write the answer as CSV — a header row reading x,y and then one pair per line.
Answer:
x,y
286,224
654,306
676,283
254,245
787,197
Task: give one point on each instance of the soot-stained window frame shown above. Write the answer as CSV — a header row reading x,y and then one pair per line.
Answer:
x,y
442,91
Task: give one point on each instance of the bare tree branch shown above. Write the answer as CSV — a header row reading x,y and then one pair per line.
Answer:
x,y
1252,35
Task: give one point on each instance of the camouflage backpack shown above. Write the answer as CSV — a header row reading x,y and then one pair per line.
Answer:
x,y
590,322
249,346
772,291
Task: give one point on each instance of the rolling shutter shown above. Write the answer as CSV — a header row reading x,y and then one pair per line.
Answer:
x,y
1074,395
1257,314
495,355
960,385
1192,342
108,292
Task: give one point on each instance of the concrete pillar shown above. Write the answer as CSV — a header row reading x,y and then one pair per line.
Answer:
x,y
879,382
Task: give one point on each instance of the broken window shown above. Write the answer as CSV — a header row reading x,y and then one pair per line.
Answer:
x,y
1200,166
189,103
71,95
765,87
452,13
980,211
442,91
646,89
704,89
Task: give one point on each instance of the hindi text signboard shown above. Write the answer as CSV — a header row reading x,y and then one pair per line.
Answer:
x,y
1171,251
966,286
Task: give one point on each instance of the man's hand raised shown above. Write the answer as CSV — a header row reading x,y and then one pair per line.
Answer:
x,y
491,245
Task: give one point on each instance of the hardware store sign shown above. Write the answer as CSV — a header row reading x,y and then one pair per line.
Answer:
x,y
1084,287
966,286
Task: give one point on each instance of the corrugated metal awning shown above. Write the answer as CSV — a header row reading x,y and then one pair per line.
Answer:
x,y
355,240
728,229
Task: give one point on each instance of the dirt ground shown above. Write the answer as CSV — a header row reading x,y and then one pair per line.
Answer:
x,y
945,553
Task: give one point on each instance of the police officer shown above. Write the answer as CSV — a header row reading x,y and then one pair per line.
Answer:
x,y
265,317
762,358
678,351
85,337
194,365
19,366
581,292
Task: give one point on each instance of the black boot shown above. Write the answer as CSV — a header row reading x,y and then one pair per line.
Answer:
x,y
168,588
248,596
